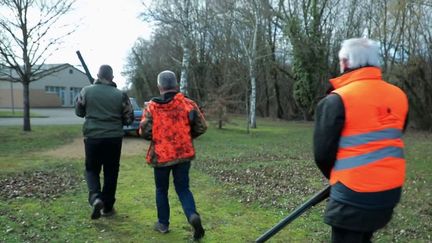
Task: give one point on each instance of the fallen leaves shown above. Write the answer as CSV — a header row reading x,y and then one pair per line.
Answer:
x,y
277,181
39,184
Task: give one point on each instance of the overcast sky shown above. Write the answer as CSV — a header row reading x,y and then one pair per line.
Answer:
x,y
106,31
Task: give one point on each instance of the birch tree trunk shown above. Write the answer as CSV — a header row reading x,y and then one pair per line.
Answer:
x,y
187,25
185,68
252,73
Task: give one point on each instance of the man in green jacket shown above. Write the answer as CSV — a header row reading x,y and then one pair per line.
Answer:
x,y
106,109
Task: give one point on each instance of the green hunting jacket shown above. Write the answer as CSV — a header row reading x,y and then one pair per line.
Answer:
x,y
105,109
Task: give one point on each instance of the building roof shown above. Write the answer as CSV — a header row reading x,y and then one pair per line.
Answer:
x,y
42,70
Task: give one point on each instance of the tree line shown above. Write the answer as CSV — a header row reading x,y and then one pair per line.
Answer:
x,y
273,58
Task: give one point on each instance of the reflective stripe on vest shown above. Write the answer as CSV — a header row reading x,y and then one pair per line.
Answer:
x,y
370,157
355,140
364,159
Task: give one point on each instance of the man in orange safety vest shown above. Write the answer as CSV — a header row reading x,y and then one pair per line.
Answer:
x,y
358,144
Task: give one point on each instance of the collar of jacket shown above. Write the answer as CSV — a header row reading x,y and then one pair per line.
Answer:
x,y
362,73
169,104
165,98
104,81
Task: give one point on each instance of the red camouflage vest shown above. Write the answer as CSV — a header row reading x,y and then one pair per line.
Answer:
x,y
171,132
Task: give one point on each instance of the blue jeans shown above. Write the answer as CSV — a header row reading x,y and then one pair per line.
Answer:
x,y
181,184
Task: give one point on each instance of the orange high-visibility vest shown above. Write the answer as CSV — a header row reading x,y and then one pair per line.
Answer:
x,y
171,132
370,155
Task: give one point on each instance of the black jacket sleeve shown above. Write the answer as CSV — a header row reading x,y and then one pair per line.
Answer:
x,y
406,122
329,122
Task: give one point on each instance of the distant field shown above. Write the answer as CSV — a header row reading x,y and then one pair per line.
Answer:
x,y
243,184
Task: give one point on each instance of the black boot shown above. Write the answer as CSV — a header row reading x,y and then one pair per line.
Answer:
x,y
97,206
195,221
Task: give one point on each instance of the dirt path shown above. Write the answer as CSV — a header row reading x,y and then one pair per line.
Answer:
x,y
131,146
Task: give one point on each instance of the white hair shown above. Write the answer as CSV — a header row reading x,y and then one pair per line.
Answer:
x,y
167,80
360,52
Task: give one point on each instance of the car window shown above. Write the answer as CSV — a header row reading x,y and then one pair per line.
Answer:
x,y
134,104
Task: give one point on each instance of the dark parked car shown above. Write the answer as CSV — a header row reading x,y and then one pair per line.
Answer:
x,y
137,114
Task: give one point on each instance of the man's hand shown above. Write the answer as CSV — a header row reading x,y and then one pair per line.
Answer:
x,y
80,105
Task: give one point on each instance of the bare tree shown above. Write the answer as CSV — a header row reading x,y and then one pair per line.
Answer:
x,y
177,15
27,40
251,53
413,68
247,24
275,56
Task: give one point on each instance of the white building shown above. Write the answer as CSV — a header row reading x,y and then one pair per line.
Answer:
x,y
58,89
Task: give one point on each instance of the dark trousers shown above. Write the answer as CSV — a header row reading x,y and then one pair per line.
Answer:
x,y
354,224
340,235
181,183
102,152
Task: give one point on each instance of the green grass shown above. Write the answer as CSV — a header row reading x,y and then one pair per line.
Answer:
x,y
240,182
18,149
17,114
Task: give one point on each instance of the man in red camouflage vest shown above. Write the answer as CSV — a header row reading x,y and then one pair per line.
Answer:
x,y
170,122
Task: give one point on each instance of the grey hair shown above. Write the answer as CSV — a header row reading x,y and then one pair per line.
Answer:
x,y
360,52
167,80
106,72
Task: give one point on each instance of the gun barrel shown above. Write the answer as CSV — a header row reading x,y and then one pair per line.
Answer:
x,y
317,198
91,79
